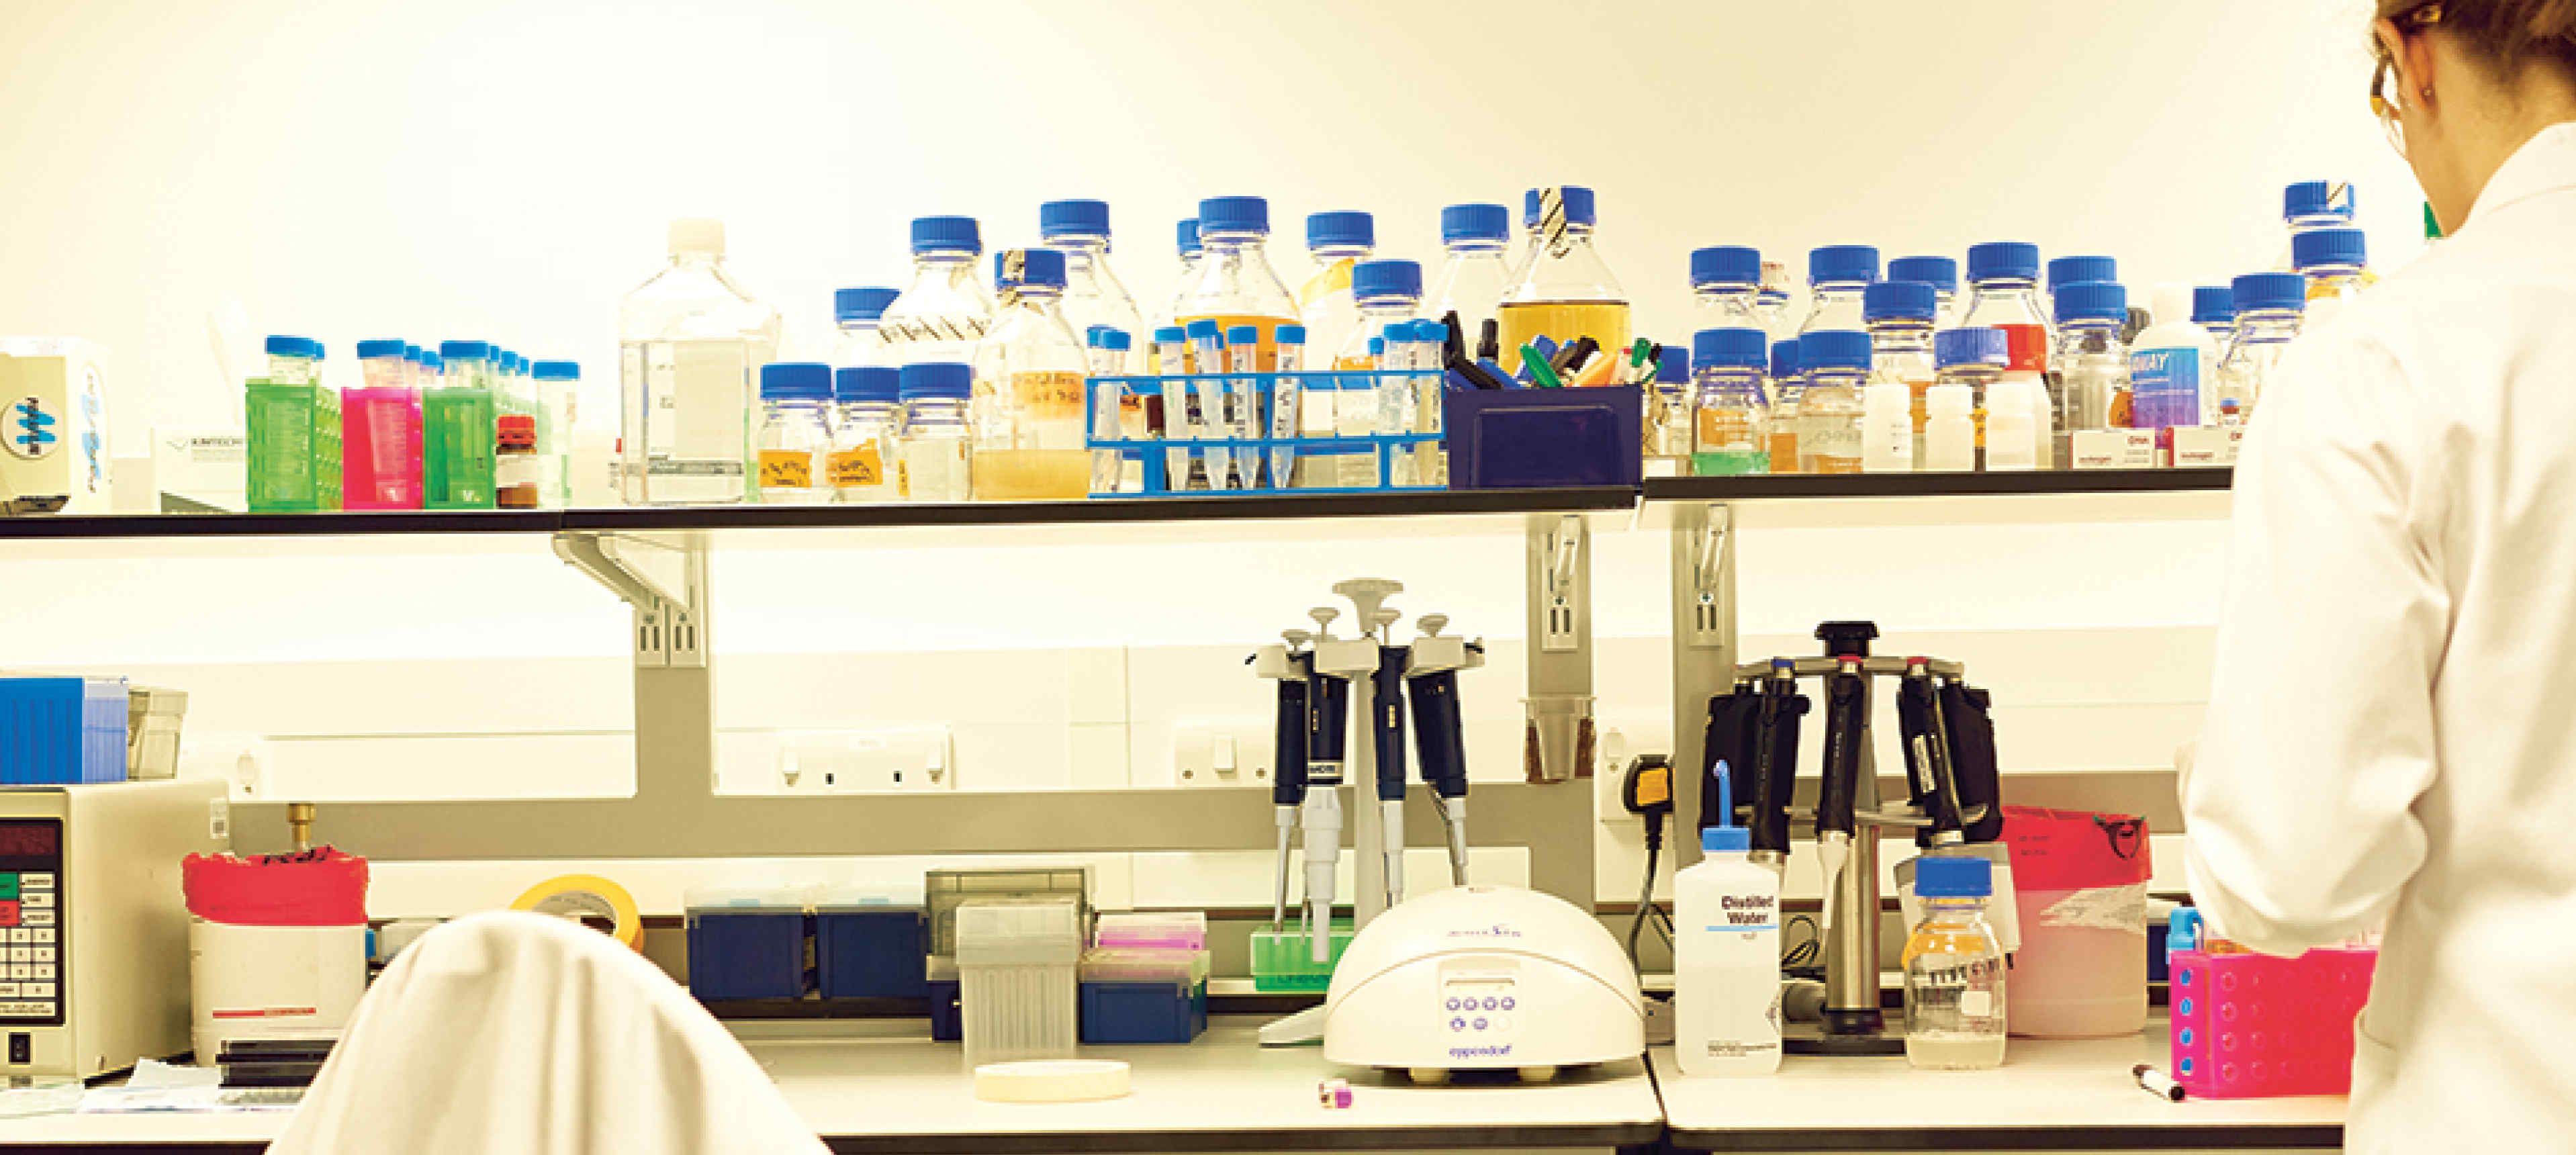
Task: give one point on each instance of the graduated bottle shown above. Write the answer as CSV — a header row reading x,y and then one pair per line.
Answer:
x,y
1473,275
857,316
1336,243
1900,314
2269,310
2003,283
1029,410
1726,287
1834,362
943,312
1387,293
861,466
1967,362
1186,236
932,464
2092,361
1565,291
1837,275
1726,959
1236,284
1093,295
1942,273
795,432
2335,262
2064,271
690,341
1786,388
1954,970
1731,421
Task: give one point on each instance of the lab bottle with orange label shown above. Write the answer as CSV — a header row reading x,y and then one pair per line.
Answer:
x,y
860,467
1565,291
795,432
1236,284
1029,414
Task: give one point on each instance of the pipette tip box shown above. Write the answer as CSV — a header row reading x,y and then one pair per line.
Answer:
x,y
870,951
2250,1026
1284,960
748,946
1143,996
61,731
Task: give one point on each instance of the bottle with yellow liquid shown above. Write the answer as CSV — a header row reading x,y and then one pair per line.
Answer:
x,y
1565,289
1386,293
1236,284
1028,409
1338,241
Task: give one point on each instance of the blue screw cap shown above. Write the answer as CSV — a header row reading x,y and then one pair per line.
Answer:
x,y
2003,261
1833,349
1371,279
1725,265
1475,222
1729,348
1074,218
1341,229
946,235
1941,273
937,381
1979,346
1898,301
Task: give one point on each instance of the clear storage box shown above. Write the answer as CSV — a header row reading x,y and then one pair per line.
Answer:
x,y
1015,967
944,890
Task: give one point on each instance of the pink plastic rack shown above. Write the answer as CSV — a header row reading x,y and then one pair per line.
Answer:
x,y
2250,1026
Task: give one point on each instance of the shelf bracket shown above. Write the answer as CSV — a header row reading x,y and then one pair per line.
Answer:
x,y
1704,645
665,581
1558,745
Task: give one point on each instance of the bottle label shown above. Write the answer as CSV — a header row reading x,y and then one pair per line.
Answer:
x,y
1332,278
786,469
856,467
1746,913
2164,388
1052,395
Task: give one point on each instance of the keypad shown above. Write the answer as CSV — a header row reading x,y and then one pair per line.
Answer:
x,y
30,962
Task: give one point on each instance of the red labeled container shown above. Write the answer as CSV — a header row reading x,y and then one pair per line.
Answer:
x,y
2080,889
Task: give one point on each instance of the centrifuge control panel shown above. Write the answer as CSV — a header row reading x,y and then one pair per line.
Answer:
x,y
31,921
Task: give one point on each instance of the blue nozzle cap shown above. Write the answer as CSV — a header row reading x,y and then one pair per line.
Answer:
x,y
1833,349
2213,305
465,350
1580,208
1243,335
1726,840
946,235
1948,877
795,381
1730,349
1117,341
2329,248
1475,222
2092,301
1726,265
1981,345
2068,270
937,381
1898,301
1784,358
2003,260
1672,365
2316,198
867,383
1078,218
1038,268
1842,264
1288,335
1941,273
369,350
1342,229
1387,279
1186,234
556,370
1170,333
285,346
2270,292
1395,331
1234,215
1204,328
862,304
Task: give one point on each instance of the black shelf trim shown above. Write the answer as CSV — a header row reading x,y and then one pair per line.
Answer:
x,y
1875,485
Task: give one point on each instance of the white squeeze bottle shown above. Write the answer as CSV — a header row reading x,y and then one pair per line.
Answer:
x,y
1726,957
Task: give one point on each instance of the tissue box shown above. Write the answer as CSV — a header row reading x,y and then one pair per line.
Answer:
x,y
53,427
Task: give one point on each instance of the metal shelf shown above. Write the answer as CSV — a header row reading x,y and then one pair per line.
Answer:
x,y
1763,487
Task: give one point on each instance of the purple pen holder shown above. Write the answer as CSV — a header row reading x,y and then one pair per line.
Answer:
x,y
1545,438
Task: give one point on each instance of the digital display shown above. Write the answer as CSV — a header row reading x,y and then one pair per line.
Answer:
x,y
31,840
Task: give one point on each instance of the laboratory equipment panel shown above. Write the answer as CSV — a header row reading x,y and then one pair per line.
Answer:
x,y
96,929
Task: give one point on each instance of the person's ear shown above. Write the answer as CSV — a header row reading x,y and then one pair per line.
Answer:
x,y
2415,67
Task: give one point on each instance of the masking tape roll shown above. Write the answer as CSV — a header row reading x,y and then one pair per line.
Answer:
x,y
587,895
1051,1081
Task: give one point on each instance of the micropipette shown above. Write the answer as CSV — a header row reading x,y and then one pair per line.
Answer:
x,y
1386,709
1207,343
1439,727
1286,400
1288,783
1328,728
1243,407
1846,700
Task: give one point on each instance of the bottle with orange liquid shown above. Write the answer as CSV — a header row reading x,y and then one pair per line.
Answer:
x,y
1900,317
1565,290
1236,284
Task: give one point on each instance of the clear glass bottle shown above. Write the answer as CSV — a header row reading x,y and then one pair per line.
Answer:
x,y
1726,285
2092,360
2064,271
2213,308
1773,303
1386,293
858,314
1965,361
1093,294
1785,389
1336,243
1901,315
795,432
1236,284
1731,432
688,342
1837,275
1834,362
1942,273
1186,234
865,420
1954,970
2335,262
943,312
2307,206
1565,290
933,464
558,388
2270,308
1029,411
2003,283
1474,275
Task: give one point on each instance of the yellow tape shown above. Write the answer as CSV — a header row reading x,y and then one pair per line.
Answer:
x,y
587,895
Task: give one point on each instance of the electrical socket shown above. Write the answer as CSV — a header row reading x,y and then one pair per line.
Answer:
x,y
1622,739
1226,752
877,760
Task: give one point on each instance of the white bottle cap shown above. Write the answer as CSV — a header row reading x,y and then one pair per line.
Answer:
x,y
2173,303
697,236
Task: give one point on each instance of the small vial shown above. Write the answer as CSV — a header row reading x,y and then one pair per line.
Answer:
x,y
517,475
1207,403
795,430
1968,362
1954,970
933,465
1179,423
860,468
1242,402
1731,426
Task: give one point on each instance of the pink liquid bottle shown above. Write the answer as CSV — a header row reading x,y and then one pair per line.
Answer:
x,y
380,430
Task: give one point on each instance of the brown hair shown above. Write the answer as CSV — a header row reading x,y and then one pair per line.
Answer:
x,y
2509,34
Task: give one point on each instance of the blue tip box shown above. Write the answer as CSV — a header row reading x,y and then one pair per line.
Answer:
x,y
61,731
866,950
1143,996
748,947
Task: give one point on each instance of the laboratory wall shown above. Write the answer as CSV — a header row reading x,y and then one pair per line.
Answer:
x,y
178,176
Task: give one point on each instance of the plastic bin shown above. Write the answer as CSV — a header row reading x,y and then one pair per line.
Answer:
x,y
61,731
2080,887
1284,960
869,947
947,1019
1015,970
944,890
1143,996
1184,930
748,945
1545,438
2250,1026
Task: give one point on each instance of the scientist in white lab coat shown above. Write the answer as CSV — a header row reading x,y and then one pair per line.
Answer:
x,y
2392,722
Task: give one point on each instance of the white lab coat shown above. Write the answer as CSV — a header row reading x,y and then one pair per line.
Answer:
x,y
2392,721
529,1034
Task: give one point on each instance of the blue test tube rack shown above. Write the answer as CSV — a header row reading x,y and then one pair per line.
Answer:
x,y
1382,448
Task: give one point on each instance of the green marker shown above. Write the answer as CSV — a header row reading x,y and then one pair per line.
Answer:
x,y
1540,375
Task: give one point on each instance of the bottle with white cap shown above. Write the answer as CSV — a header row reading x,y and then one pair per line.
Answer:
x,y
690,341
1726,956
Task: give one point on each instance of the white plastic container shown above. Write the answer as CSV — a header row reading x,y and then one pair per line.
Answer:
x,y
272,982
1726,960
1950,432
1016,963
2173,367
1886,428
2011,417
690,339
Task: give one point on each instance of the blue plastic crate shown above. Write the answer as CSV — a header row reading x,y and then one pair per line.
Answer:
x,y
59,731
947,1014
871,952
1143,1012
749,952
1546,438
1411,457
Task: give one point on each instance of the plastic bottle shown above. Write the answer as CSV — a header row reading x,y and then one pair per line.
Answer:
x,y
1837,275
1942,273
2213,308
1236,285
1093,294
1336,242
294,360
1029,410
934,465
1954,970
1186,236
860,467
2335,262
1726,958
2092,361
458,430
1834,363
795,432
1287,404
515,469
1565,292
1786,386
558,387
1900,314
1726,283
380,431
1967,361
2003,279
1474,275
2063,271
2269,310
2173,365
857,313
943,313
688,342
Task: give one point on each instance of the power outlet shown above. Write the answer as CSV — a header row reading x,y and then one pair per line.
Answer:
x,y
1231,752
884,760
1622,739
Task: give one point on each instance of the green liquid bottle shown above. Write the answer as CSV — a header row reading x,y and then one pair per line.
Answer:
x,y
293,433
458,427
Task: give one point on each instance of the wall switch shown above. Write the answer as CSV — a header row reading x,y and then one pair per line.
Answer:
x,y
1234,752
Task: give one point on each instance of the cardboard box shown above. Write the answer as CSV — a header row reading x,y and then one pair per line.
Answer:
x,y
53,427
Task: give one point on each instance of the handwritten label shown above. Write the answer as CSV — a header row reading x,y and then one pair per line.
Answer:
x,y
786,469
860,466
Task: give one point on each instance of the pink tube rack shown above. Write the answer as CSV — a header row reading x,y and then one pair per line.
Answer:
x,y
2250,1026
